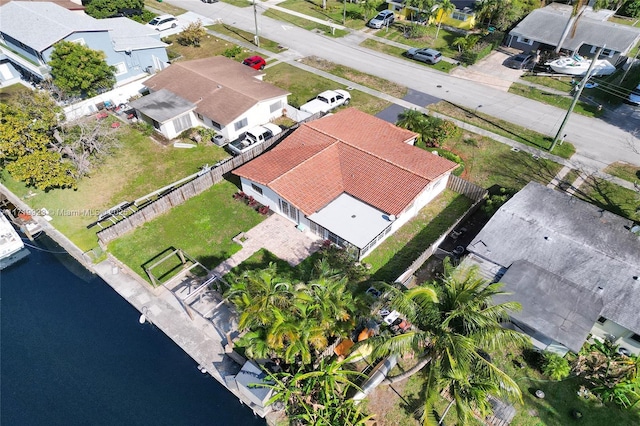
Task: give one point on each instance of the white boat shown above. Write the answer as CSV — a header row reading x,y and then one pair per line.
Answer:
x,y
10,242
577,65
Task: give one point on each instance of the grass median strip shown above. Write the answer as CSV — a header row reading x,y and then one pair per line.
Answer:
x,y
503,128
334,11
560,101
368,80
246,36
304,86
304,23
625,171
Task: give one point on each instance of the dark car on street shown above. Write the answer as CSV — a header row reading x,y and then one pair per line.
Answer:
x,y
520,61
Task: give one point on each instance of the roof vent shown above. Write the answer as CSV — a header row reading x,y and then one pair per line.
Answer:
x,y
219,86
547,238
600,289
392,217
635,277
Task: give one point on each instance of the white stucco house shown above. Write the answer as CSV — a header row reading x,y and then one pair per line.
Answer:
x,y
573,266
350,178
216,92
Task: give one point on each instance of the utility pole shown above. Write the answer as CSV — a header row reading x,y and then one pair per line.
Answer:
x,y
630,66
344,13
576,97
256,38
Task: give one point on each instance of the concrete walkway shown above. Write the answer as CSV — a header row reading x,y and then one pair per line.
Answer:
x,y
278,235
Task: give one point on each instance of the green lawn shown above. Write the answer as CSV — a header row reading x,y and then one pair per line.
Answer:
x,y
427,38
238,3
624,171
398,251
561,101
304,23
333,12
609,196
139,167
612,90
164,7
209,46
304,85
368,80
13,90
246,36
203,227
504,128
396,51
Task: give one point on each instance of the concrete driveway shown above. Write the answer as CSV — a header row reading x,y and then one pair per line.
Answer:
x,y
490,71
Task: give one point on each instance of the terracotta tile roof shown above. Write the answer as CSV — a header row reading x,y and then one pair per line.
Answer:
x,y
222,88
350,152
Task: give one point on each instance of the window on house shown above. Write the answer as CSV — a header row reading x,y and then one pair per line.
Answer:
x,y
240,124
182,123
602,320
525,40
605,52
459,16
275,106
635,338
216,125
156,125
121,68
256,188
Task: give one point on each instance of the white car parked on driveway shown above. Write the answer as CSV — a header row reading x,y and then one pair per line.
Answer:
x,y
326,101
254,137
163,22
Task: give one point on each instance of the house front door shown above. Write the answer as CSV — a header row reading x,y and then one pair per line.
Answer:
x,y
289,211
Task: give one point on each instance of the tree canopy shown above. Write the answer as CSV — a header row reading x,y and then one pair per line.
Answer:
x,y
105,8
79,70
27,125
36,149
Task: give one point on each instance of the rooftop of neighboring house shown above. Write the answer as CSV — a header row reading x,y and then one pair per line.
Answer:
x,y
48,23
349,152
547,24
67,4
162,106
222,88
578,243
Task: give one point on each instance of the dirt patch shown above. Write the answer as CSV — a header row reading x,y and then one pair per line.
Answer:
x,y
384,401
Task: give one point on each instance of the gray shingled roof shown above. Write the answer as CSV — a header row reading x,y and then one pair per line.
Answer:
x,y
552,305
40,25
162,105
130,35
577,241
546,25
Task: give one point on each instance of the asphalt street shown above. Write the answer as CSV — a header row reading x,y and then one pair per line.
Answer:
x,y
598,143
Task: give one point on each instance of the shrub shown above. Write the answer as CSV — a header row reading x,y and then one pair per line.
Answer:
x,y
233,52
495,201
192,34
555,367
452,157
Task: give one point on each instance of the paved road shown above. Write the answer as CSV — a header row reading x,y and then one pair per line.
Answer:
x,y
598,143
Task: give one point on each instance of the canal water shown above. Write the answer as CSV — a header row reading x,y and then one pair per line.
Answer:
x,y
72,352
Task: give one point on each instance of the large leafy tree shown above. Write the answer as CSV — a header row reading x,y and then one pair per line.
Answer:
x,y
27,128
105,8
455,323
79,70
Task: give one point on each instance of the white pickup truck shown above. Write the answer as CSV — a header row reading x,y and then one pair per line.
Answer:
x,y
254,137
326,101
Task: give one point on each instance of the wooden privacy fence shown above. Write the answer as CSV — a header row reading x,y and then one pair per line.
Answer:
x,y
182,193
461,186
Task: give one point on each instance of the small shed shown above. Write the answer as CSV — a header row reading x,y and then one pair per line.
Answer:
x,y
249,376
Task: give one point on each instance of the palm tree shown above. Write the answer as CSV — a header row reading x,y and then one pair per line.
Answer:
x,y
445,7
258,295
454,323
318,397
368,7
414,120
